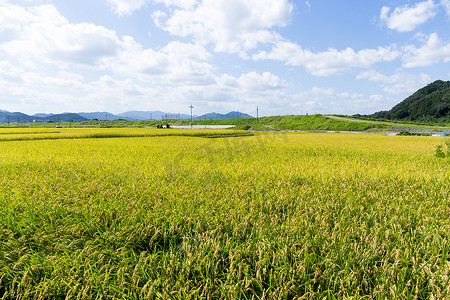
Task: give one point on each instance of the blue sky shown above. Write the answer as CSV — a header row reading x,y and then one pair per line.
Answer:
x,y
287,57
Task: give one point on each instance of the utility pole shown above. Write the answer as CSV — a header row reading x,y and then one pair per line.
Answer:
x,y
205,121
257,111
191,107
8,120
237,119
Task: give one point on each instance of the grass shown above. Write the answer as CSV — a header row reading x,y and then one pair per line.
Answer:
x,y
273,215
314,122
300,122
297,122
408,123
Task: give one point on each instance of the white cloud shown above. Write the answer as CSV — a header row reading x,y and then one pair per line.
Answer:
x,y
252,81
432,52
62,80
398,83
407,18
13,16
157,16
186,4
229,92
43,35
126,7
41,60
49,63
175,63
232,26
9,72
14,76
327,62
31,91
255,81
446,5
327,100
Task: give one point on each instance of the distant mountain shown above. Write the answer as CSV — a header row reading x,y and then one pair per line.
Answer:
x,y
159,115
13,117
64,117
41,115
152,115
102,116
142,115
217,116
430,103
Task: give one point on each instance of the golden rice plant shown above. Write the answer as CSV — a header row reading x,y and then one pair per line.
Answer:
x,y
285,215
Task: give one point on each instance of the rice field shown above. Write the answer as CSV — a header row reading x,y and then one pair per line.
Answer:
x,y
142,213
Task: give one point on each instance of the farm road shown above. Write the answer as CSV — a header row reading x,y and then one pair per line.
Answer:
x,y
437,131
347,119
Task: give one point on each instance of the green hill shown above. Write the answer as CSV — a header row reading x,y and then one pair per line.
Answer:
x,y
294,122
429,104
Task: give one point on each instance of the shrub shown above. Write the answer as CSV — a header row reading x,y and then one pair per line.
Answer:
x,y
440,152
448,148
407,133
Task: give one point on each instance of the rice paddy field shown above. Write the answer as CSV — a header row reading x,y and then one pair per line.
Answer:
x,y
176,214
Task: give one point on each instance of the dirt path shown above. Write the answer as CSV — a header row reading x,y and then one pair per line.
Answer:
x,y
348,119
433,131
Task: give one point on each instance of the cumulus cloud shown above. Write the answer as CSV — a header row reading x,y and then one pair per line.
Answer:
x,y
252,81
186,4
126,7
232,26
12,75
327,62
398,83
407,18
255,81
446,5
327,100
32,91
10,72
41,52
39,59
432,52
44,35
13,16
175,63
